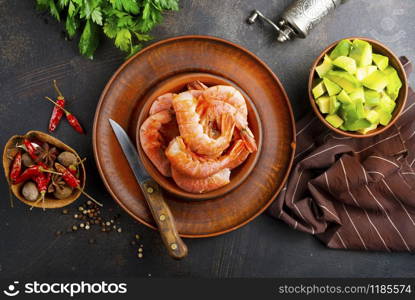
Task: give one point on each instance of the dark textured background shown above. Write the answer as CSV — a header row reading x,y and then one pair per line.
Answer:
x,y
33,52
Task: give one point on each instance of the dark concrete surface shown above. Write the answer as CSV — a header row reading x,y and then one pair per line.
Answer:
x,y
33,52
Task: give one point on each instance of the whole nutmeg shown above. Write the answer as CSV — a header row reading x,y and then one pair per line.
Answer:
x,y
67,158
27,160
62,192
30,192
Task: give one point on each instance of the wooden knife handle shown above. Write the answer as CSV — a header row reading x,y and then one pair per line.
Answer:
x,y
164,219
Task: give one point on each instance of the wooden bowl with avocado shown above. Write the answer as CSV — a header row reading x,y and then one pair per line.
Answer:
x,y
357,87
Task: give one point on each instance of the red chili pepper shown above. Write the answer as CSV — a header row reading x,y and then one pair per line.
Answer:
x,y
16,168
73,121
57,112
30,148
67,176
31,172
74,170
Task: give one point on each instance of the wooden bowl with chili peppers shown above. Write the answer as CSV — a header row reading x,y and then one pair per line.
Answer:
x,y
42,171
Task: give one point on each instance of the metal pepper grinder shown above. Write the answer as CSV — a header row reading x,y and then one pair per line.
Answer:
x,y
299,18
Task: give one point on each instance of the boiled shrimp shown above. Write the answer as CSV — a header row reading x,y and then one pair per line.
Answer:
x,y
188,163
204,185
192,131
209,111
152,140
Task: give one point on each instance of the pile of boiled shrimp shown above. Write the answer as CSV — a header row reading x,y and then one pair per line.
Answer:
x,y
198,136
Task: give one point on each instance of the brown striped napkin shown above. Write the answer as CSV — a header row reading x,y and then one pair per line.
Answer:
x,y
354,193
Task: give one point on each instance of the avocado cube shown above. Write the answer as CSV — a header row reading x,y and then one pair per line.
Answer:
x,y
341,49
323,104
384,117
376,81
372,98
324,67
360,109
361,52
358,94
346,63
394,82
367,129
334,120
381,61
386,103
363,72
334,105
348,113
358,125
318,90
345,80
331,87
344,98
372,116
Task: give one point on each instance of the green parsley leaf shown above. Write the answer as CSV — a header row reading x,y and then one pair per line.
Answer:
x,y
88,42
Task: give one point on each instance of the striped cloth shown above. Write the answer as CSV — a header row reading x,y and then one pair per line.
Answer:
x,y
353,193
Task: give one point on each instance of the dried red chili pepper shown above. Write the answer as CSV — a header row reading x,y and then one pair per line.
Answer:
x,y
72,181
31,172
30,148
16,168
73,121
57,112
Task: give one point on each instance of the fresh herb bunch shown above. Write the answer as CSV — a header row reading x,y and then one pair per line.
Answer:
x,y
126,21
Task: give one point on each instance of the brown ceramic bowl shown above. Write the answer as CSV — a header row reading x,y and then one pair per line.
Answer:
x,y
49,202
400,101
177,84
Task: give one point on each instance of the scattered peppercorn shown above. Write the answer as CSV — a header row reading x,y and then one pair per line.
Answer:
x,y
65,211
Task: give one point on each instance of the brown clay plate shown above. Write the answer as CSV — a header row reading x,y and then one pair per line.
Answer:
x,y
122,99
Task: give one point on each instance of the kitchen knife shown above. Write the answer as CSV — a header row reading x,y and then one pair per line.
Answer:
x,y
153,195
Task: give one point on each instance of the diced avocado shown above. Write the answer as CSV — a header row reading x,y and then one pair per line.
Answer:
x,y
343,97
394,82
376,81
386,103
334,105
367,129
361,52
372,116
324,104
331,87
318,90
358,94
358,125
372,97
346,63
381,61
360,109
341,49
324,67
347,81
384,117
362,72
348,113
334,120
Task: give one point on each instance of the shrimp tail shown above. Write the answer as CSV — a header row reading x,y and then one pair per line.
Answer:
x,y
248,138
196,85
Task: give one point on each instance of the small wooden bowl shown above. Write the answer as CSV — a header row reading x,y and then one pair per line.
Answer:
x,y
394,61
176,84
16,188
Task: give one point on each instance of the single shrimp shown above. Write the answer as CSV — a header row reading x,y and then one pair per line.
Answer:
x,y
204,185
209,110
188,163
153,142
192,131
163,102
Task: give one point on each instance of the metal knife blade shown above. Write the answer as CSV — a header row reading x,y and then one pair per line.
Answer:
x,y
130,153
